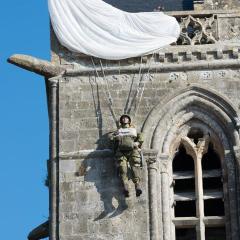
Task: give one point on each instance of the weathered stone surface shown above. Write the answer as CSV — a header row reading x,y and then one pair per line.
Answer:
x,y
167,94
36,65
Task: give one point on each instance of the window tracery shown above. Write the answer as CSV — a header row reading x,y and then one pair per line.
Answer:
x,y
198,206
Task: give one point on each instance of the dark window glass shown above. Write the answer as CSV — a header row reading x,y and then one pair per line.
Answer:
x,y
217,233
214,207
184,185
182,161
212,183
186,234
211,160
185,209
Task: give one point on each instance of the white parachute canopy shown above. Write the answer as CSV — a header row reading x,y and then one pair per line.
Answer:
x,y
98,29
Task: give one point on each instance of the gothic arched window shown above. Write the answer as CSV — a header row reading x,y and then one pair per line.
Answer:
x,y
198,208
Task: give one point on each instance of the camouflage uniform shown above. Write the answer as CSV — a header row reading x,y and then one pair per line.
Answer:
x,y
127,152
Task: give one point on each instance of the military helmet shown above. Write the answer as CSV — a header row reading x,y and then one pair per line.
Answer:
x,y
123,116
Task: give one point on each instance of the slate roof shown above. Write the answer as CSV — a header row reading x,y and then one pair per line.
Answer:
x,y
149,5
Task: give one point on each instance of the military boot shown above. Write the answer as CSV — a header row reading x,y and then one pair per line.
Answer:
x,y
138,189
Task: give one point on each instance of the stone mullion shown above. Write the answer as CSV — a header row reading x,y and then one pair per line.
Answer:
x,y
197,151
200,149
199,198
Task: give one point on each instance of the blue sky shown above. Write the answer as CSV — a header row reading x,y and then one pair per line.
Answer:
x,y
24,120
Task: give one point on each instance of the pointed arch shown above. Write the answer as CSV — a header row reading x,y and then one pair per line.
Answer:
x,y
168,125
209,108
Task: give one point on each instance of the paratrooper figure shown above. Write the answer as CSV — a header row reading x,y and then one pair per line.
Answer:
x,y
127,148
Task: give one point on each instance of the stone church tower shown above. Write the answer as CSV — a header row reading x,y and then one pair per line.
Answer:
x,y
185,101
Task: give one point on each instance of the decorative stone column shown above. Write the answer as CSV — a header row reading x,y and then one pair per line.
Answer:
x,y
196,151
166,219
199,196
53,84
151,159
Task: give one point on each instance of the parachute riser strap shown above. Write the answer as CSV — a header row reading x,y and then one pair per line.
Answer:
x,y
106,92
142,88
135,96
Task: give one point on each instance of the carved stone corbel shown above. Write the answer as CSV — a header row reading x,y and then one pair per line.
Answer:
x,y
41,67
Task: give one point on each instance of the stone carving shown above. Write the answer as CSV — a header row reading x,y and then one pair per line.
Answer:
x,y
206,75
164,166
177,76
197,30
221,74
173,76
196,150
233,30
41,67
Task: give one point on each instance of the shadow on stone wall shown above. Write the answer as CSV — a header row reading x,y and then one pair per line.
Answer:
x,y
102,171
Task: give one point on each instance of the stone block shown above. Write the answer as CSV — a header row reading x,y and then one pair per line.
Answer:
x,y
82,197
67,145
66,187
80,226
67,166
66,229
66,207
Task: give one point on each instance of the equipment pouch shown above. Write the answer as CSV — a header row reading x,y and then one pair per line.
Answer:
x,y
126,143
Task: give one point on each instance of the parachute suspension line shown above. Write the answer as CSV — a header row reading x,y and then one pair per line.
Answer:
x,y
133,102
127,108
94,66
136,96
107,84
140,69
119,65
96,104
140,76
142,85
97,75
106,92
155,57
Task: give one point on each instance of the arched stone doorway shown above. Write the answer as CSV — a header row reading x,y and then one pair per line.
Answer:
x,y
194,124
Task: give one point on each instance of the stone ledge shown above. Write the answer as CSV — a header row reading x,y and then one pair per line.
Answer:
x,y
161,67
91,153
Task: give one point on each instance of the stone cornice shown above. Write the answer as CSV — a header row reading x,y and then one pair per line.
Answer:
x,y
160,67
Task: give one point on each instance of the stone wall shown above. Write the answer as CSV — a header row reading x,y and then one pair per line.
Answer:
x,y
90,204
85,119
221,4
